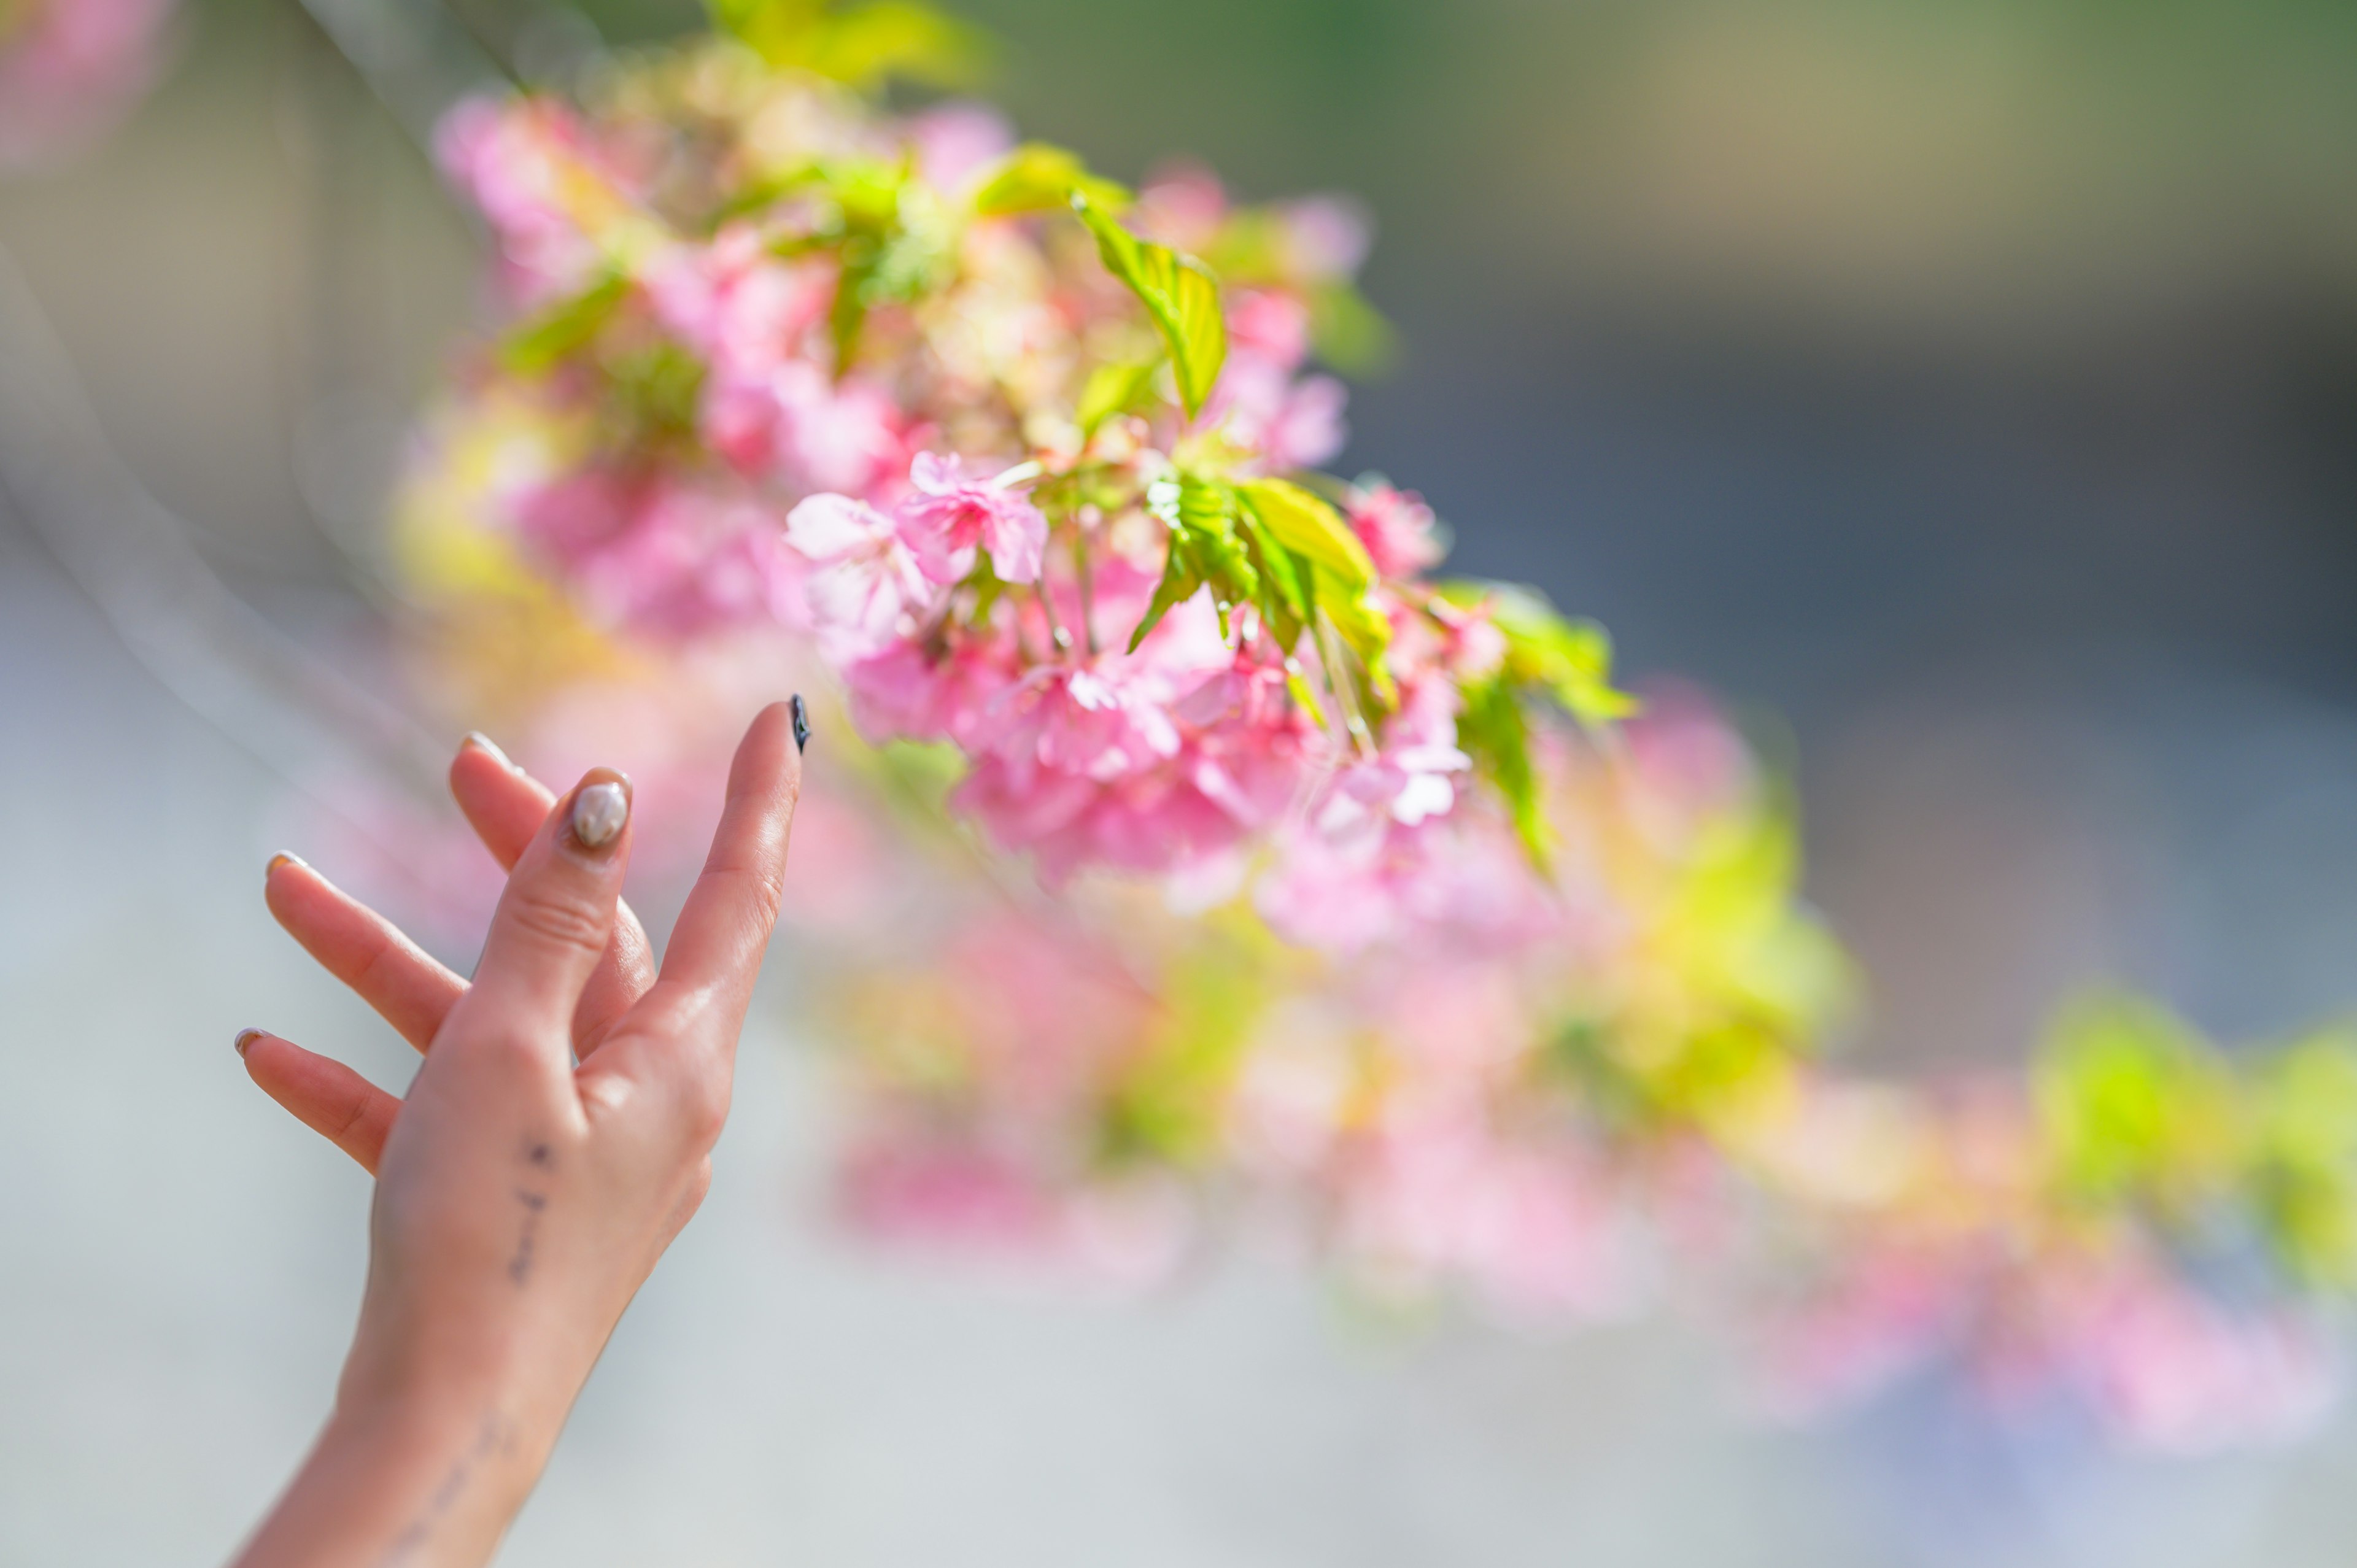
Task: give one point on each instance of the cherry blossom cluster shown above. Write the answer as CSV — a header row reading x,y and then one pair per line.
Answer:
x,y
1356,904
983,427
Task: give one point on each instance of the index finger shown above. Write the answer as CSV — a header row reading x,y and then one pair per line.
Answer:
x,y
506,805
722,929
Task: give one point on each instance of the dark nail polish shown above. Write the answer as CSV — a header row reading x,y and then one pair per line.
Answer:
x,y
246,1037
801,722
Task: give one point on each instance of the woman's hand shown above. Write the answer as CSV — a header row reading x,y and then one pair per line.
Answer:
x,y
521,1199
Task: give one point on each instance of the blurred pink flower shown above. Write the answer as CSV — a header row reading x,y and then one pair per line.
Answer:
x,y
864,591
1326,238
1397,529
1438,1197
528,166
796,424
955,141
71,68
736,304
665,557
1293,424
1270,325
1182,206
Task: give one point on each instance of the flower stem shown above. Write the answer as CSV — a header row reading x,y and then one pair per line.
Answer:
x,y
1088,586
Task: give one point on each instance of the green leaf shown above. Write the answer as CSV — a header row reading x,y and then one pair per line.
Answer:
x,y
1113,389
1310,527
1570,660
1285,598
1202,516
893,246
1349,333
2306,1157
1176,291
1495,732
860,45
655,389
1039,177
1180,582
563,329
764,25
898,39
2136,1105
1364,630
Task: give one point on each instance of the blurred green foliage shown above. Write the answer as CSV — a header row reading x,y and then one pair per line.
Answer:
x,y
2141,1112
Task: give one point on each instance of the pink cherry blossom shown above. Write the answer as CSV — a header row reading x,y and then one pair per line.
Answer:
x,y
865,593
946,515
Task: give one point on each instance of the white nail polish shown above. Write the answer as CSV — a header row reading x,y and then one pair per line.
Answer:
x,y
598,813
484,742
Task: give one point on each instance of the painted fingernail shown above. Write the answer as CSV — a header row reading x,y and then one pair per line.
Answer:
x,y
281,858
246,1037
801,722
599,810
490,747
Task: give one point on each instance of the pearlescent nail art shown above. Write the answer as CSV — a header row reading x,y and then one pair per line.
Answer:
x,y
598,813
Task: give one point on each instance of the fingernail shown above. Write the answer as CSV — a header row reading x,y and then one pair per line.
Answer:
x,y
484,744
246,1037
281,858
600,807
801,722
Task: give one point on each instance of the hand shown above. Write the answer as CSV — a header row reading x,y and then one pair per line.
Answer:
x,y
521,1199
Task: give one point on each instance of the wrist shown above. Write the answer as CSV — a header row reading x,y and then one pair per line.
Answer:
x,y
424,1470
419,1368
412,1481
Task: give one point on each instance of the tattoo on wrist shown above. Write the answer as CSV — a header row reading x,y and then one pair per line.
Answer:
x,y
496,1436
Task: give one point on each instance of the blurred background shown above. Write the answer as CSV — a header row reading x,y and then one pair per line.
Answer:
x,y
1968,392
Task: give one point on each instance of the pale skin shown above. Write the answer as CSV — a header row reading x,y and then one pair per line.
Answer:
x,y
555,1141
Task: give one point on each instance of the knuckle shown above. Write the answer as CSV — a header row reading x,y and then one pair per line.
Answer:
x,y
349,1118
761,881
704,1112
511,1051
551,916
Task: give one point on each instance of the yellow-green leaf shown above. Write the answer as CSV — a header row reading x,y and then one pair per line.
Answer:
x,y
860,45
563,329
1307,526
1112,389
1363,628
1039,177
1178,292
1571,660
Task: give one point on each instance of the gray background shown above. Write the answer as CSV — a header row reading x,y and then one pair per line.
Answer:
x,y
1964,391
